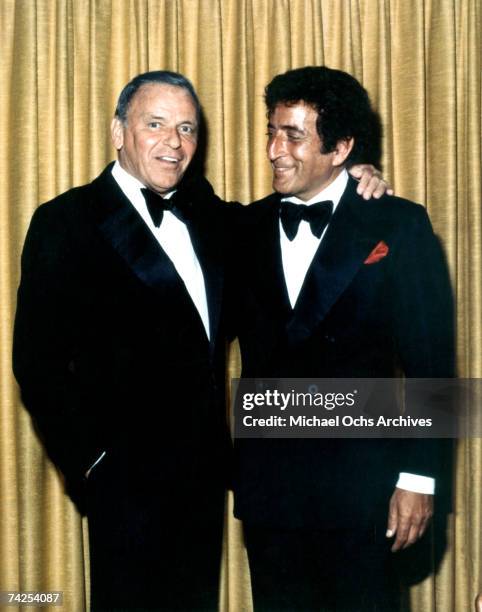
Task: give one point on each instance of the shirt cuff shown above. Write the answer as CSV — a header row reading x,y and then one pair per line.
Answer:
x,y
98,460
416,483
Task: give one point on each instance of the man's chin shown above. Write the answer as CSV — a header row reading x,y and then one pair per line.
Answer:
x,y
165,186
281,187
282,190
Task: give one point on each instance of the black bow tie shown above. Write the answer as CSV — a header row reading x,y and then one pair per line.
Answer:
x,y
156,205
317,215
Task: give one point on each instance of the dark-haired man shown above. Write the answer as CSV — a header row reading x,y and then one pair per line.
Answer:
x,y
332,287
119,352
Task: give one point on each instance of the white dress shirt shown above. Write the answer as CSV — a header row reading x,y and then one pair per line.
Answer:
x,y
173,236
297,255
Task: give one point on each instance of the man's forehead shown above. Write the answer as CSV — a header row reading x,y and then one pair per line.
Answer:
x,y
152,98
296,112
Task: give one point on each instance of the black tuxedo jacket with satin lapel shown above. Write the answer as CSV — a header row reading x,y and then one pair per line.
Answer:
x,y
109,349
351,319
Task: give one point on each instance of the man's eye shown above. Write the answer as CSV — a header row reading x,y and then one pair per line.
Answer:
x,y
154,124
186,129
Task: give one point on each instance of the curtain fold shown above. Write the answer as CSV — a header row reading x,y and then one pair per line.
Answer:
x,y
63,63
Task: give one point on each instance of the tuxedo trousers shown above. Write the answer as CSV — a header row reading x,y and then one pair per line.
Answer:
x,y
306,570
154,544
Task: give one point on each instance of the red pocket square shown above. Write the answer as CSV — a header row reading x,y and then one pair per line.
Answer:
x,y
379,252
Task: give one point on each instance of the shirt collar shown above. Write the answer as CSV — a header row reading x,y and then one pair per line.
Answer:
x,y
129,184
333,192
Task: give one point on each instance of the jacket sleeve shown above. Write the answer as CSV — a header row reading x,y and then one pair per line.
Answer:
x,y
423,316
44,337
423,303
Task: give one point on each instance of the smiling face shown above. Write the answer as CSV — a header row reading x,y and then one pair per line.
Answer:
x,y
294,150
158,140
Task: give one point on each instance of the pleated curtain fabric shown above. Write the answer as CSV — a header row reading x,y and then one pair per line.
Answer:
x,y
62,65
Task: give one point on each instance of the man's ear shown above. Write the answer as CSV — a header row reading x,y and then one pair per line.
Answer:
x,y
342,151
117,133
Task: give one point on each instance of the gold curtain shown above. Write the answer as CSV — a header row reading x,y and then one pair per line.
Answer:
x,y
63,62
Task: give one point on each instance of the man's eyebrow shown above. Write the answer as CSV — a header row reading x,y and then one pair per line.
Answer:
x,y
153,116
288,127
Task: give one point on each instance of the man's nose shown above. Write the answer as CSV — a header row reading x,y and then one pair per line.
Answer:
x,y
172,138
275,146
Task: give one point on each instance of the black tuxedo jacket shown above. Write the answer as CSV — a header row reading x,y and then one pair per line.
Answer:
x,y
109,350
352,319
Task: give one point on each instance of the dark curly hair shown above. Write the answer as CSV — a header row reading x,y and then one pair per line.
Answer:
x,y
343,107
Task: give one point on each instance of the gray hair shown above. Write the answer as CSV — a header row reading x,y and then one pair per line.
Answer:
x,y
163,77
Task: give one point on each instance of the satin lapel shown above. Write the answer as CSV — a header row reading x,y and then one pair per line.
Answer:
x,y
125,230
267,263
208,247
347,243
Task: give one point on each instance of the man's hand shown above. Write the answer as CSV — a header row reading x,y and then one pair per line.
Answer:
x,y
371,182
408,516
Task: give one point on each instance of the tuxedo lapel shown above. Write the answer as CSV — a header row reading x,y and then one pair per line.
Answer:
x,y
347,242
267,263
210,256
125,230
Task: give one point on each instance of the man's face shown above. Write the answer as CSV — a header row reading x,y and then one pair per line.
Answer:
x,y
294,150
159,138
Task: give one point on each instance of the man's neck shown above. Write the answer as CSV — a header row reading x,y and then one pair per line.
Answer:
x,y
332,192
129,183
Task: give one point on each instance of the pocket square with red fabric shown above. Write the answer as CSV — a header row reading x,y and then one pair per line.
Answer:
x,y
379,252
